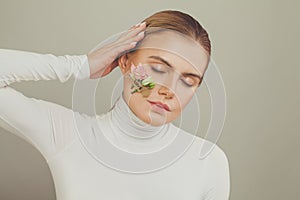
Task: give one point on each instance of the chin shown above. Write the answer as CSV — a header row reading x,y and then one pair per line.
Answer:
x,y
156,118
150,117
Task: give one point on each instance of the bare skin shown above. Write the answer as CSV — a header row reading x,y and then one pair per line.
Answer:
x,y
103,60
175,86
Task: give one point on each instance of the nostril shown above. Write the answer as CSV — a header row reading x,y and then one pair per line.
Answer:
x,y
165,91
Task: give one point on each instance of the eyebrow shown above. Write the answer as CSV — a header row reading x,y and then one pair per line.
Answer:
x,y
168,64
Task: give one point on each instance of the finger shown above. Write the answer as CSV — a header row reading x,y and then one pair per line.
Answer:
x,y
126,47
118,47
135,26
115,55
137,29
135,38
130,29
132,32
121,48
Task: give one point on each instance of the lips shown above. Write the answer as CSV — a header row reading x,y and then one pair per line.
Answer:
x,y
160,104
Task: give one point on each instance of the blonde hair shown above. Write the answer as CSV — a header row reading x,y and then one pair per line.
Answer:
x,y
181,22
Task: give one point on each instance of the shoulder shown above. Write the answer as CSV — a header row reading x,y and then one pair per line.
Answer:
x,y
213,152
210,162
216,169
204,150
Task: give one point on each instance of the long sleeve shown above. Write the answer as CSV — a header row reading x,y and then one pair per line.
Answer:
x,y
46,125
16,66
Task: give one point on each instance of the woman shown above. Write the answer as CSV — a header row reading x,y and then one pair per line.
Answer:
x,y
175,56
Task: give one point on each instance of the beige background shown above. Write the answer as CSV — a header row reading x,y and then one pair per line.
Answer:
x,y
254,43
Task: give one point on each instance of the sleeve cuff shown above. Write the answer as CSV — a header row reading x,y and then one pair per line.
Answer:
x,y
84,69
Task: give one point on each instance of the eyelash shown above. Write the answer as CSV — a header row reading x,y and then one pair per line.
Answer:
x,y
156,70
163,72
187,83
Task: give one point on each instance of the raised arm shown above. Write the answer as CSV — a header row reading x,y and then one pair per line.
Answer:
x,y
16,66
47,126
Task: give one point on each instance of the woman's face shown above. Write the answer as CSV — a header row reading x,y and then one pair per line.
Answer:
x,y
176,64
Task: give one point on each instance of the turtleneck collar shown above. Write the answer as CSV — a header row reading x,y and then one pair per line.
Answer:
x,y
126,122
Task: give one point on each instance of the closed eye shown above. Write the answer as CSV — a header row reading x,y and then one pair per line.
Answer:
x,y
188,81
155,69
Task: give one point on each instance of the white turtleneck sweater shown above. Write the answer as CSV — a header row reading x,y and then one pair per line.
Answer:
x,y
95,159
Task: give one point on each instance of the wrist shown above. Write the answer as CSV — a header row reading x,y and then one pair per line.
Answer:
x,y
84,69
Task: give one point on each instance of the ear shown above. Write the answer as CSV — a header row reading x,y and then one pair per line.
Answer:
x,y
123,63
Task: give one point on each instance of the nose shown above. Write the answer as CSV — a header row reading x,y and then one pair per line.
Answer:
x,y
168,85
166,91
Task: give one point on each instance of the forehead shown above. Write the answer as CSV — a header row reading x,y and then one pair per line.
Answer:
x,y
176,49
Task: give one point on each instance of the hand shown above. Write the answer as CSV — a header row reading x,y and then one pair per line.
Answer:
x,y
103,60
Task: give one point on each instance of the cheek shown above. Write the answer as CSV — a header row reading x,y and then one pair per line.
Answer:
x,y
182,99
133,100
138,102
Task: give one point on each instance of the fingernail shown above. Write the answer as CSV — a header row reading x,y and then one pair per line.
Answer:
x,y
141,33
142,24
137,24
133,43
